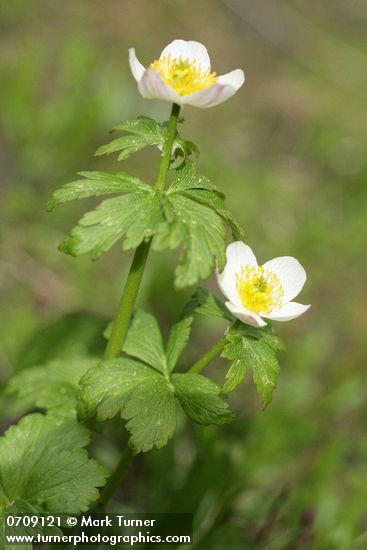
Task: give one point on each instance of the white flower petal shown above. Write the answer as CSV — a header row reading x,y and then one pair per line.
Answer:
x,y
235,79
194,51
151,86
287,312
136,67
209,97
290,273
225,87
246,316
239,255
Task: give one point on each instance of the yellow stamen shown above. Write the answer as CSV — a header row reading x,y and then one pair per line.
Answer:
x,y
183,75
260,290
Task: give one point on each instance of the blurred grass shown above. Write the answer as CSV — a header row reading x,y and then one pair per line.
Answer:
x,y
290,152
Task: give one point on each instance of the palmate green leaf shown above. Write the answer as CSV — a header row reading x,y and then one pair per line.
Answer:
x,y
200,398
52,386
43,463
142,396
201,232
96,184
146,400
196,222
247,351
191,213
135,216
146,132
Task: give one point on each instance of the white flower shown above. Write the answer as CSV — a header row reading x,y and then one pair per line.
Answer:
x,y
256,291
183,75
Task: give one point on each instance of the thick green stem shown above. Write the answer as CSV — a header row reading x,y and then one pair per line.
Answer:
x,y
132,285
115,480
214,351
127,301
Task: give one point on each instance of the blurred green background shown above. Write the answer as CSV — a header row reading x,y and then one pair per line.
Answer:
x,y
290,152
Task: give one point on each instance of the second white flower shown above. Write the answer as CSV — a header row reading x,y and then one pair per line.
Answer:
x,y
254,291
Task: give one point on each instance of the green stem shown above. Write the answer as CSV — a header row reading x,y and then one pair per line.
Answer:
x,y
167,149
115,480
214,351
209,356
127,301
133,281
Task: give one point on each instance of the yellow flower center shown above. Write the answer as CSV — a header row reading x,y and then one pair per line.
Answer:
x,y
183,75
260,290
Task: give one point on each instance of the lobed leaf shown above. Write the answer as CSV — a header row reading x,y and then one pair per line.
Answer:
x,y
95,184
146,132
178,338
266,334
144,341
202,233
141,126
43,463
255,352
135,216
191,213
200,398
142,396
146,400
151,414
